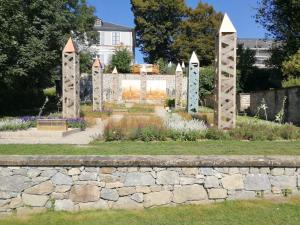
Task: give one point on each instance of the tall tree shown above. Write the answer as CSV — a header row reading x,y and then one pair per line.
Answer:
x,y
156,22
281,18
32,36
197,33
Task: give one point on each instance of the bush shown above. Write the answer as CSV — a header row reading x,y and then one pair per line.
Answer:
x,y
77,123
289,132
170,103
291,82
122,60
215,134
14,124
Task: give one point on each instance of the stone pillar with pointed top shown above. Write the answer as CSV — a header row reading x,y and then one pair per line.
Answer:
x,y
178,86
70,81
97,76
225,80
193,85
143,75
115,85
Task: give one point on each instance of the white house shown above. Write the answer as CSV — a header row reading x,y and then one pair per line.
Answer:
x,y
110,37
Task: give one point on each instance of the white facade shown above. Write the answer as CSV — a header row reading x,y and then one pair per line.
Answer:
x,y
110,37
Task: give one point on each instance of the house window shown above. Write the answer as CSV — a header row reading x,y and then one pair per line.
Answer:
x,y
116,38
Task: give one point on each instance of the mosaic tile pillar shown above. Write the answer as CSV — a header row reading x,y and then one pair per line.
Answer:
x,y
178,86
193,85
70,81
225,86
97,76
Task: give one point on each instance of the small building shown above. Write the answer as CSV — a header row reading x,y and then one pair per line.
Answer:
x,y
262,48
110,37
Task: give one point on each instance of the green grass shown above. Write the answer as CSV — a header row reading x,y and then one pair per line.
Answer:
x,y
229,213
160,148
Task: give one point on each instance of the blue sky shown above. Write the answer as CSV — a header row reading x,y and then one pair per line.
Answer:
x,y
241,13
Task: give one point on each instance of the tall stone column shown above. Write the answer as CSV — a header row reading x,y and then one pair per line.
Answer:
x,y
143,75
193,84
178,86
70,81
115,85
97,76
225,86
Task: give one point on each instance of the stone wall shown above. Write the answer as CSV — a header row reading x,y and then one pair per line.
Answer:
x,y
35,184
274,98
86,86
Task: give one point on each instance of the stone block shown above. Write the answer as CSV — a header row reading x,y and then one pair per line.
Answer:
x,y
265,170
254,170
289,171
190,180
284,182
190,171
126,203
233,170
277,171
85,193
244,170
143,189
7,195
101,204
257,182
167,177
15,183
139,179
33,172
88,176
155,188
114,185
124,191
16,202
61,179
189,193
109,194
74,171
64,205
34,200
62,188
48,173
211,182
41,189
157,198
242,195
233,182
138,197
207,171
107,170
217,193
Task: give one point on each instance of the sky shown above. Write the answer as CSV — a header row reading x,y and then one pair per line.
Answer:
x,y
241,12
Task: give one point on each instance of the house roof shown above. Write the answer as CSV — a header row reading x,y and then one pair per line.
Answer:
x,y
105,26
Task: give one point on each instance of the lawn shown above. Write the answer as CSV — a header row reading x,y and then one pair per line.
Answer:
x,y
258,212
160,148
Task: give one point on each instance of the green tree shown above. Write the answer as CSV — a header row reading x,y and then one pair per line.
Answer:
x,y
122,59
207,75
281,18
32,37
157,22
245,68
197,33
291,66
86,61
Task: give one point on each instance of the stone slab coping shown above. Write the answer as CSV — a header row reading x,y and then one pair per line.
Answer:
x,y
151,161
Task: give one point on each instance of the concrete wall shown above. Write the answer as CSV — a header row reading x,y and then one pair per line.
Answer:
x,y
274,98
35,184
86,86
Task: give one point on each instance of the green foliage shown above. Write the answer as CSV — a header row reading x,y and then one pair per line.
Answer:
x,y
197,33
245,68
122,60
207,75
157,22
215,134
170,103
86,61
50,92
32,36
291,82
281,18
291,66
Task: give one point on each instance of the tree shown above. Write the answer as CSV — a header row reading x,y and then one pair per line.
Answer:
x,y
32,37
207,77
291,66
156,22
86,61
281,18
122,59
245,68
197,33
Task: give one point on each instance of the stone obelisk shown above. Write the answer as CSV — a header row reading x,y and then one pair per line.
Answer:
x,y
143,78
70,81
225,80
193,85
178,86
97,76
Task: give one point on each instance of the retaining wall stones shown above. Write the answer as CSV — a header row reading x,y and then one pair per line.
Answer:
x,y
35,184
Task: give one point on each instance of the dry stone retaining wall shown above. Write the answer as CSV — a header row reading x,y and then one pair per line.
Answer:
x,y
25,189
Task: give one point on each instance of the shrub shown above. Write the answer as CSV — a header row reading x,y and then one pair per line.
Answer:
x,y
77,123
291,82
215,134
170,103
289,132
14,124
121,60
